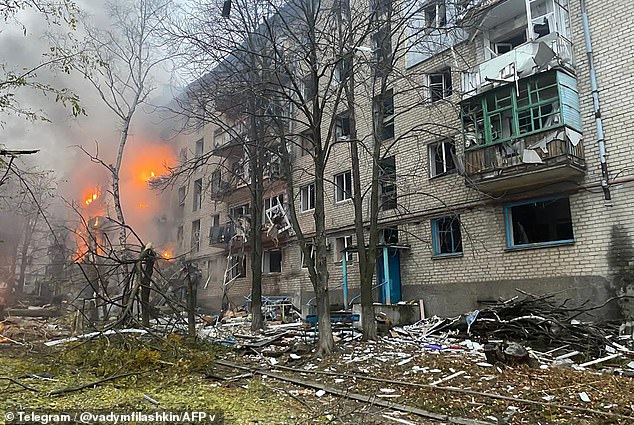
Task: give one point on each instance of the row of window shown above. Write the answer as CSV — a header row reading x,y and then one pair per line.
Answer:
x,y
535,223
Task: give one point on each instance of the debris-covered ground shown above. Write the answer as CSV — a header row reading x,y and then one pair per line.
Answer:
x,y
524,361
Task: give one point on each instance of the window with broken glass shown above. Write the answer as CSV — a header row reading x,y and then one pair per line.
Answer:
x,y
238,266
195,240
272,261
441,158
384,107
311,248
446,235
387,184
271,202
440,85
538,222
342,127
198,194
513,111
341,244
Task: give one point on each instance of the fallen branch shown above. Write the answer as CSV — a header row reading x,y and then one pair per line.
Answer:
x,y
96,383
459,390
26,387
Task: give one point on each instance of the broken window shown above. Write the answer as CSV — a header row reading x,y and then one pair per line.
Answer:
x,y
382,40
306,143
387,183
538,222
384,107
216,232
213,271
268,203
237,266
341,244
389,236
272,261
509,41
517,110
200,147
440,85
179,235
308,90
216,182
343,186
342,127
446,235
182,194
343,69
239,211
441,158
307,197
542,17
435,15
195,241
182,155
198,194
311,249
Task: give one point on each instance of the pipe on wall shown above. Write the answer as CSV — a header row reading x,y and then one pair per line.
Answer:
x,y
596,104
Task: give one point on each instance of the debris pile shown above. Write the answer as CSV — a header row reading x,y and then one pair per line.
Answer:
x,y
541,321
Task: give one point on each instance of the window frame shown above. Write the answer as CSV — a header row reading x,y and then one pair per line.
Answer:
x,y
432,158
347,242
307,191
197,198
436,240
311,248
195,240
182,196
445,85
391,180
199,149
345,192
508,224
266,256
384,105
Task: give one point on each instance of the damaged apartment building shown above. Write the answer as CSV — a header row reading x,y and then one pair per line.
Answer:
x,y
520,178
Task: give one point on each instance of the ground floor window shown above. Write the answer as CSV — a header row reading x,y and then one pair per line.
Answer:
x,y
446,235
538,222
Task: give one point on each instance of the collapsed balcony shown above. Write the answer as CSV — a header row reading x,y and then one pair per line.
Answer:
x,y
524,134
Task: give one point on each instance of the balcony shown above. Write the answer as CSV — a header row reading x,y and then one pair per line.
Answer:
x,y
545,53
524,134
533,161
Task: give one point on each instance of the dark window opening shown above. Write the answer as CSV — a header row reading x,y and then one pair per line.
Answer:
x,y
272,261
387,182
441,156
440,85
384,107
447,237
539,222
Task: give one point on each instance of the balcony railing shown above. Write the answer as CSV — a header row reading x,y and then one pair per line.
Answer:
x,y
527,59
526,162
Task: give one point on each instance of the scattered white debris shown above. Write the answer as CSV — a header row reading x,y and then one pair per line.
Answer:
x,y
584,397
484,364
549,397
320,393
94,334
295,356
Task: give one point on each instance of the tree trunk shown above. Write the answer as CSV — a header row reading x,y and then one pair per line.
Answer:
x,y
147,268
190,295
255,152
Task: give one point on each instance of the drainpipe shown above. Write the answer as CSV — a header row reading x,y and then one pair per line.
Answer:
x,y
597,106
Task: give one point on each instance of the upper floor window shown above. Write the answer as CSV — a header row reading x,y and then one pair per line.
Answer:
x,y
239,211
342,126
387,183
195,240
384,107
436,15
272,261
306,145
200,148
441,158
182,194
343,186
307,197
198,194
439,84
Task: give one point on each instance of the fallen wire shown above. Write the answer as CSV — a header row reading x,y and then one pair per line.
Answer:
x,y
460,390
